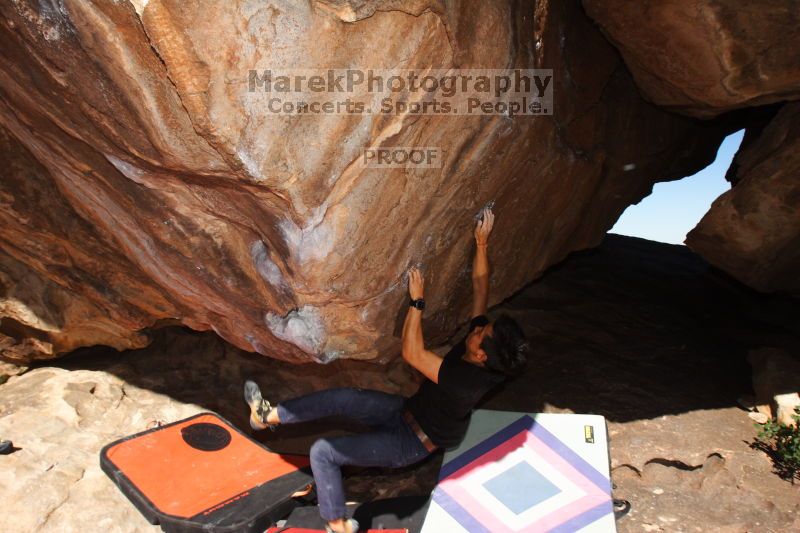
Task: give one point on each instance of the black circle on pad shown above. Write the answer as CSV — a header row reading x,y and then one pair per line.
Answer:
x,y
206,437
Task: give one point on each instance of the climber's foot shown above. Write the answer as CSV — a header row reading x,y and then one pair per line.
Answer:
x,y
259,407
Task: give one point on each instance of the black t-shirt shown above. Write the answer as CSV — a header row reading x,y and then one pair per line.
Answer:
x,y
443,411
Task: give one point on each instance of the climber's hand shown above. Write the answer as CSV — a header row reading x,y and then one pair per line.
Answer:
x,y
416,283
484,226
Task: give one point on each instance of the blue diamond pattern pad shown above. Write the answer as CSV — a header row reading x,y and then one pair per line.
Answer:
x,y
521,487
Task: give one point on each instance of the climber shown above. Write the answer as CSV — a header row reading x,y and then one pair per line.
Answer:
x,y
406,430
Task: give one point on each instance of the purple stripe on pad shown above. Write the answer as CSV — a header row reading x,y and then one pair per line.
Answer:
x,y
570,456
455,510
584,519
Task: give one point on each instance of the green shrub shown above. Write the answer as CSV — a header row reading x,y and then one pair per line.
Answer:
x,y
782,443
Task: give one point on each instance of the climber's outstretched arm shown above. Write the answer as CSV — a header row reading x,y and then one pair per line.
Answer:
x,y
480,263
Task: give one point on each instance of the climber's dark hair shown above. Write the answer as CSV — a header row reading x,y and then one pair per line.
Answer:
x,y
507,348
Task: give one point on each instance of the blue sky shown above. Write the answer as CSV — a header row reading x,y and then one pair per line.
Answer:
x,y
675,207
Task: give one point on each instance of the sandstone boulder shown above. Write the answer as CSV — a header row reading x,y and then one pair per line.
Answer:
x,y
753,230
776,382
708,57
145,186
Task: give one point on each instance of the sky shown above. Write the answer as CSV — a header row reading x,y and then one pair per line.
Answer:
x,y
675,207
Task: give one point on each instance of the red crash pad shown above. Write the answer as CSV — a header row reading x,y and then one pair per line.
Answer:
x,y
203,474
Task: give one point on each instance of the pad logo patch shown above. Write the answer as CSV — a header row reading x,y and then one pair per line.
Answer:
x,y
206,437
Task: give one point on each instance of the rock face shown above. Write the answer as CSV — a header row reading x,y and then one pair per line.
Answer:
x,y
776,382
704,58
753,230
144,186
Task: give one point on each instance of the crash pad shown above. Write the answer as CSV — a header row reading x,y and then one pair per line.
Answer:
x,y
525,472
203,474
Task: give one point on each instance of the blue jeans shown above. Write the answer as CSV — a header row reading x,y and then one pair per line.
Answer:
x,y
390,443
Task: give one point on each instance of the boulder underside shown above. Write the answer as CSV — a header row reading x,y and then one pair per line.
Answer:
x,y
145,185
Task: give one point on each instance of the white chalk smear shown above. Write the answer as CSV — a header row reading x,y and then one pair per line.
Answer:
x,y
479,214
249,163
302,327
314,242
327,356
266,268
131,172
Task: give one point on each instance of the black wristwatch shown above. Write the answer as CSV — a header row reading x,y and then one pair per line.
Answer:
x,y
419,303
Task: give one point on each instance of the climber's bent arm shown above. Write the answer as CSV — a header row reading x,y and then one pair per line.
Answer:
x,y
414,352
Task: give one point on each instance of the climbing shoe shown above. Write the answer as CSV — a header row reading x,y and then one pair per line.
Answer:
x,y
259,407
5,447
